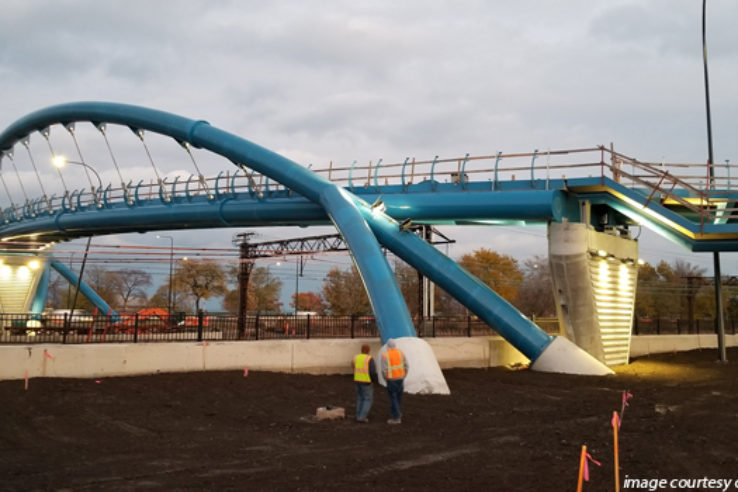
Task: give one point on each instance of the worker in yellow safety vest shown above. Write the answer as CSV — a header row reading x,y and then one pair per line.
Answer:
x,y
394,370
365,374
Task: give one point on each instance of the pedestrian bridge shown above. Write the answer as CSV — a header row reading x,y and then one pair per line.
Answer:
x,y
116,176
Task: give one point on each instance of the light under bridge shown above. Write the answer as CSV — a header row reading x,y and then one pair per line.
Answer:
x,y
134,169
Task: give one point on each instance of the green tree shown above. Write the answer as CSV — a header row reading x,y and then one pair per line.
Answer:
x,y
201,279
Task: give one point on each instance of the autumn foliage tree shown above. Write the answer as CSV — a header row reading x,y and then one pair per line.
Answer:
x,y
500,273
344,292
308,301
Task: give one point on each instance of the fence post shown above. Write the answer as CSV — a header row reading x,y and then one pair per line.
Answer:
x,y
199,325
135,329
433,326
679,328
307,328
353,335
256,327
468,325
658,326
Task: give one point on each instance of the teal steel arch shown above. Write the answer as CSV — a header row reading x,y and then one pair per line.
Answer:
x,y
361,226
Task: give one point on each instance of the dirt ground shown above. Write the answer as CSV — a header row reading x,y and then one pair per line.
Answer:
x,y
499,430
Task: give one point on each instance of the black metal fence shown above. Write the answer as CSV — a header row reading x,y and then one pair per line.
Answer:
x,y
158,327
676,326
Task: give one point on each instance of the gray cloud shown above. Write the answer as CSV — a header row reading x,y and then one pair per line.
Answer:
x,y
335,80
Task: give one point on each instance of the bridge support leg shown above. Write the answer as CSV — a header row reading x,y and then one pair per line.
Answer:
x,y
522,333
390,310
84,289
594,276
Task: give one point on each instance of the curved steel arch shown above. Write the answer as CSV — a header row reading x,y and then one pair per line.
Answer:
x,y
352,216
393,319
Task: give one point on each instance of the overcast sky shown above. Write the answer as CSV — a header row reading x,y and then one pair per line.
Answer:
x,y
337,81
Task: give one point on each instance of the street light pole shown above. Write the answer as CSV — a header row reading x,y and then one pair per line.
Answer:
x,y
60,161
171,265
720,328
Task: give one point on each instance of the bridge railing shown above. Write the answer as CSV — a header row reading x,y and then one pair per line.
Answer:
x,y
32,187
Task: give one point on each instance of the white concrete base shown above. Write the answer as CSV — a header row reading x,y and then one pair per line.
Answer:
x,y
565,357
424,375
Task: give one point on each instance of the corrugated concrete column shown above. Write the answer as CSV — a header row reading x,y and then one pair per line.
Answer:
x,y
594,279
19,279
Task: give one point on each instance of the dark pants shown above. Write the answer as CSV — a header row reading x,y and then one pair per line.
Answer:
x,y
394,390
364,394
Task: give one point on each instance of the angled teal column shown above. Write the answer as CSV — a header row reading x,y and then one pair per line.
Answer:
x,y
42,290
385,296
84,289
522,333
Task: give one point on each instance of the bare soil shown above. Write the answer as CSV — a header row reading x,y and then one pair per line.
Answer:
x,y
500,430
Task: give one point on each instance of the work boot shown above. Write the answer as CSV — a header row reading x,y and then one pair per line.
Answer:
x,y
394,421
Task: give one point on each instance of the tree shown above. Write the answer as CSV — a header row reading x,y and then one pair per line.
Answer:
x,y
182,301
101,281
344,293
646,302
58,292
673,291
499,272
262,294
407,279
129,284
264,291
201,279
308,301
535,297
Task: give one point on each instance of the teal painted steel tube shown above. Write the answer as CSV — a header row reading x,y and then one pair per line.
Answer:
x,y
84,289
42,291
244,211
526,337
522,333
237,149
388,304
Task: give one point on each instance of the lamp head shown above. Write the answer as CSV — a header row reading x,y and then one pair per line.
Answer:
x,y
59,161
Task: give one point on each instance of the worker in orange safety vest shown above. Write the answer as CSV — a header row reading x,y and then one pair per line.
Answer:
x,y
365,374
394,370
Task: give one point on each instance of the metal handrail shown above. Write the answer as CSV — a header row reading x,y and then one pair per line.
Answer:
x,y
668,182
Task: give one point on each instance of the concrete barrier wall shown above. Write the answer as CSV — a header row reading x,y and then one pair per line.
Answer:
x,y
303,356
656,344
